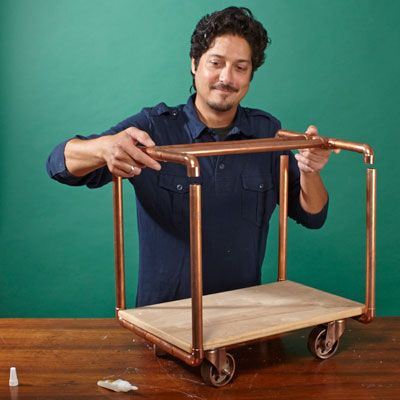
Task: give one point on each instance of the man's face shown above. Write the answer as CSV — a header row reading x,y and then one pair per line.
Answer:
x,y
223,74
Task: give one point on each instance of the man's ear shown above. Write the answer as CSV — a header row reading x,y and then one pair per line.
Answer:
x,y
193,67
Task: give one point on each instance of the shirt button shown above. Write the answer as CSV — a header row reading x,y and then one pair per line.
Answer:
x,y
261,186
179,187
221,166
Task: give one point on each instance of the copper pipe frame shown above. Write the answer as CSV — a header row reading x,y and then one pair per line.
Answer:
x,y
283,211
193,170
186,155
370,247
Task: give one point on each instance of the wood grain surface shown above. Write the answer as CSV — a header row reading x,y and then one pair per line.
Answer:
x,y
64,359
243,315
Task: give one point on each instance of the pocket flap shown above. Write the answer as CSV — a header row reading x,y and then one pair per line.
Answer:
x,y
258,183
174,183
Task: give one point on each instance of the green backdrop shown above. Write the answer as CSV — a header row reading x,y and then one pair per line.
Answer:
x,y
81,66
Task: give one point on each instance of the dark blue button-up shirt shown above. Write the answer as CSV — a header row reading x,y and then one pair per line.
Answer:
x,y
239,194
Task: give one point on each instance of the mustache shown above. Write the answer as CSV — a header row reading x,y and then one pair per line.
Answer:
x,y
222,86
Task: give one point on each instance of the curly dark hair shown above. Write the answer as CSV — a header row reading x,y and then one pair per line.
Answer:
x,y
232,20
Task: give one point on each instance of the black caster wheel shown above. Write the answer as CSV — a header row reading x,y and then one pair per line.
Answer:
x,y
210,374
318,346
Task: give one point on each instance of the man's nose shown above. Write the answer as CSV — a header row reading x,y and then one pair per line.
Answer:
x,y
225,75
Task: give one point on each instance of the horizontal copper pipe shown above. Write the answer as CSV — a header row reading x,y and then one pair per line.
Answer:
x,y
189,359
284,140
240,146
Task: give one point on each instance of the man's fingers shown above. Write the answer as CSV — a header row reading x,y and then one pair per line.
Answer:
x,y
141,158
312,163
317,152
138,155
124,174
304,167
316,156
313,160
140,136
125,169
312,130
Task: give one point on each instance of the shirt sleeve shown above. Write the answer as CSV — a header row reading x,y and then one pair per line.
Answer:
x,y
295,210
57,169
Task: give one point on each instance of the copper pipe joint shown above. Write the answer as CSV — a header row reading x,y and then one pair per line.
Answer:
x,y
161,154
362,148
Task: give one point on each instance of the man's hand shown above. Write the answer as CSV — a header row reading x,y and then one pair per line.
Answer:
x,y
313,195
312,160
122,156
119,152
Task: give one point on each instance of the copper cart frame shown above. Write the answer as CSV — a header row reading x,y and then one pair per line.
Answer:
x,y
217,366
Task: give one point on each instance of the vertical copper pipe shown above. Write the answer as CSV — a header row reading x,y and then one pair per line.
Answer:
x,y
370,247
119,245
196,270
283,210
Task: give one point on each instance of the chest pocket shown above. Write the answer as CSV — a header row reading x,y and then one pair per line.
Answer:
x,y
176,189
258,198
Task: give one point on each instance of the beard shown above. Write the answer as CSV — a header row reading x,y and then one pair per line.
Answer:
x,y
219,107
223,105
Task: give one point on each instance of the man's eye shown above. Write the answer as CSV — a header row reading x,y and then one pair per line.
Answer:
x,y
241,68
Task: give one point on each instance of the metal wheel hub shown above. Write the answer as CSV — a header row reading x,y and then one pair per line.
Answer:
x,y
218,376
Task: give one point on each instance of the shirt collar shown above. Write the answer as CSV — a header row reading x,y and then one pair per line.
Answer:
x,y
196,127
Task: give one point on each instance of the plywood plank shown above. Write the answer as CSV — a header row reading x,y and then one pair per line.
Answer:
x,y
241,315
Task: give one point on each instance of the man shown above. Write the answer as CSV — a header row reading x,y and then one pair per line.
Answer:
x,y
239,192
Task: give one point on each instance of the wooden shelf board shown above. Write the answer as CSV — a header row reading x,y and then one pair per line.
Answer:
x,y
242,315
